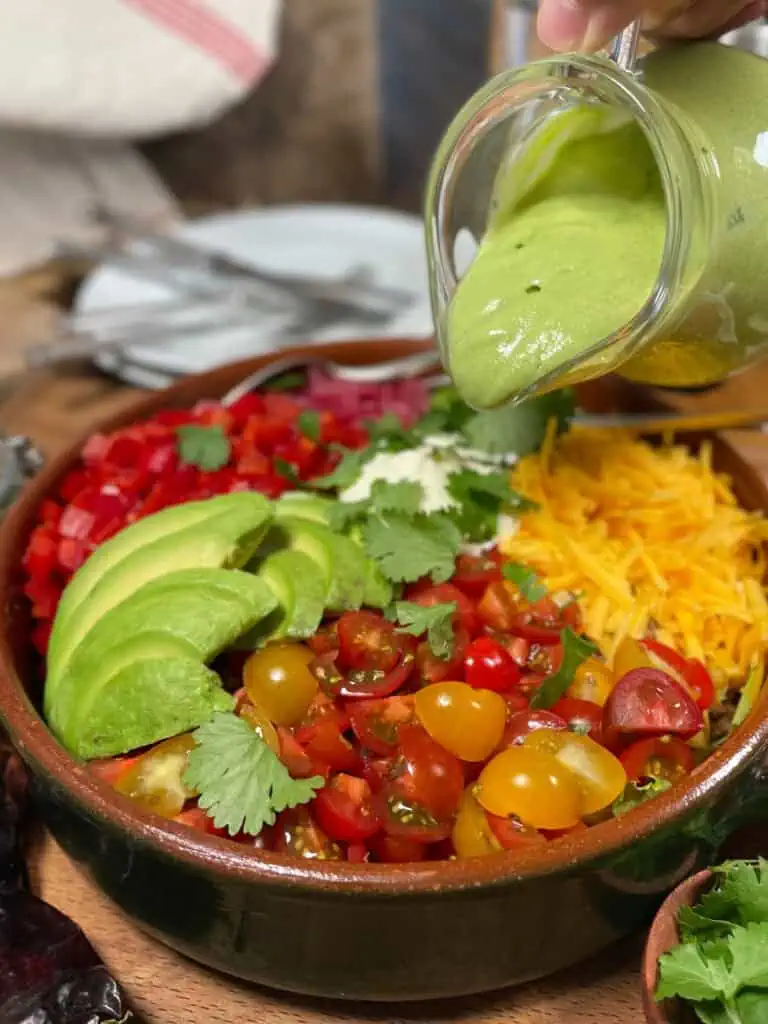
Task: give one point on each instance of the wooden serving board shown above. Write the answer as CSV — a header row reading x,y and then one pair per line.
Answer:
x,y
168,989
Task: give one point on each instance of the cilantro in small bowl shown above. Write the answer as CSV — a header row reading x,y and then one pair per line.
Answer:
x,y
706,958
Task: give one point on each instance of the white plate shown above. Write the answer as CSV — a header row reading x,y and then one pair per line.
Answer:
x,y
322,240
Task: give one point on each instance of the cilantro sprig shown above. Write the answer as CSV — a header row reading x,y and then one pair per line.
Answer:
x,y
241,781
576,650
526,581
207,448
435,621
409,548
721,965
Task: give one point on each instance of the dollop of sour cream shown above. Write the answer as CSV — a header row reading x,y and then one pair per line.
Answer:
x,y
431,464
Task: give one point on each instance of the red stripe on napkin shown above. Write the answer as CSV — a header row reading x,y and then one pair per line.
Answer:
x,y
196,23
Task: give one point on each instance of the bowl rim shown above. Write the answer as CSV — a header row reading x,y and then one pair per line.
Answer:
x,y
46,756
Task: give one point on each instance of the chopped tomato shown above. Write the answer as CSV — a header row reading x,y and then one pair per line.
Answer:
x,y
489,666
343,809
497,609
396,849
321,734
297,834
367,641
295,758
446,593
540,622
648,702
360,684
582,716
524,722
357,853
659,757
197,819
325,640
475,572
112,769
693,674
512,834
432,669
377,722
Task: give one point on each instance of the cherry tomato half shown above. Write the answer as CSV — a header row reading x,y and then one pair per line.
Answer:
x,y
648,702
489,666
467,722
475,572
432,669
360,684
600,776
593,681
512,834
156,778
472,835
377,722
367,641
533,786
343,809
321,734
524,722
396,849
693,673
659,757
297,834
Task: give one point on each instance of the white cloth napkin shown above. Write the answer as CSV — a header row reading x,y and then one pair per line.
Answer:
x,y
81,79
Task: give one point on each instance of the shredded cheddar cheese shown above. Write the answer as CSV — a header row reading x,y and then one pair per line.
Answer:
x,y
652,540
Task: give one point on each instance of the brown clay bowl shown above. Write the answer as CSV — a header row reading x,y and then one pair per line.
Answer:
x,y
662,937
376,932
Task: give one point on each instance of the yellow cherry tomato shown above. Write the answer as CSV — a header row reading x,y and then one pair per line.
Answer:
x,y
155,781
467,722
532,785
278,681
630,654
472,835
599,775
593,681
261,725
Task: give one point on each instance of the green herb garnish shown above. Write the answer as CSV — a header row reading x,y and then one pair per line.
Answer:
x,y
436,621
637,793
526,581
241,781
408,548
208,448
576,650
721,966
287,471
346,472
309,424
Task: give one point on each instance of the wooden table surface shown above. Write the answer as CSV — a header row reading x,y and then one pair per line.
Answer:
x,y
167,989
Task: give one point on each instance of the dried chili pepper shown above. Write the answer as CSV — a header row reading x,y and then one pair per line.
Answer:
x,y
49,972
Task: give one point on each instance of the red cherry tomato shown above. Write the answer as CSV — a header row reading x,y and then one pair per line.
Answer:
x,y
396,849
489,666
367,641
524,722
519,648
512,834
582,716
359,684
112,769
377,722
497,609
197,819
648,702
377,770
541,622
475,572
343,809
691,671
428,595
321,734
295,758
423,790
432,669
325,640
660,757
358,853
296,833
545,659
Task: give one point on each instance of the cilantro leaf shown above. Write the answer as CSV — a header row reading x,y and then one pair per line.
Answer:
x,y
481,497
526,581
347,471
241,782
388,432
404,497
685,972
741,894
436,621
576,649
447,414
519,428
406,549
636,793
286,471
343,514
309,424
208,448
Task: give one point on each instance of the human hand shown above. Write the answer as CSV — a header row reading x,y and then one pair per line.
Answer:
x,y
588,25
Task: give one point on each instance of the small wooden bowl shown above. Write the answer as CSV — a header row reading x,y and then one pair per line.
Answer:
x,y
662,937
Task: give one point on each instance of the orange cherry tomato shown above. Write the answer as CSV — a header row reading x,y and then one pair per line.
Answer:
x,y
593,681
472,835
155,780
600,776
630,654
533,786
467,722
278,680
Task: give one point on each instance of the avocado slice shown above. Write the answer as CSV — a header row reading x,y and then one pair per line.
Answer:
x,y
300,589
187,616
223,531
302,505
342,563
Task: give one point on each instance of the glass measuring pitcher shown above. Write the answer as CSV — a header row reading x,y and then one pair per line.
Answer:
x,y
697,115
